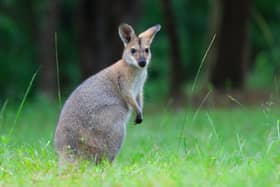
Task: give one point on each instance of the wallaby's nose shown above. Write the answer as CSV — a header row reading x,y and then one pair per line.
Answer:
x,y
142,63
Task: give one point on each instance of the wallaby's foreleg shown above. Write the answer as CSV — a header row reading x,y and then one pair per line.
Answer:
x,y
133,103
139,100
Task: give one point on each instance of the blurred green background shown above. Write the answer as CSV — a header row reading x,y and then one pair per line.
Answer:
x,y
200,143
244,56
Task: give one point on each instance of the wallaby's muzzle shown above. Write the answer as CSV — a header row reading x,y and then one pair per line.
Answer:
x,y
142,63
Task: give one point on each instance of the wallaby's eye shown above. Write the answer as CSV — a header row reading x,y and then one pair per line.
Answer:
x,y
132,50
147,50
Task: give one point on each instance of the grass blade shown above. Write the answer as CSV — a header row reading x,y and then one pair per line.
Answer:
x,y
200,105
193,86
3,108
234,100
25,96
57,71
278,129
212,125
202,61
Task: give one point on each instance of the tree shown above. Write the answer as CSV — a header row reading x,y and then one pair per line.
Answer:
x,y
97,24
176,78
47,54
230,62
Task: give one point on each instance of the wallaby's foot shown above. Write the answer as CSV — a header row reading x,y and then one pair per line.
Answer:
x,y
139,119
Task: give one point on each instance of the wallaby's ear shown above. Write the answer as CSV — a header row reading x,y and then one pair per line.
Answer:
x,y
150,33
126,33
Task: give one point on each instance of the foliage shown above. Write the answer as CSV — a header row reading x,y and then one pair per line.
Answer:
x,y
20,21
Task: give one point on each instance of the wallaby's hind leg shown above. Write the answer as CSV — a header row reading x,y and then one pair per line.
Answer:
x,y
105,139
100,138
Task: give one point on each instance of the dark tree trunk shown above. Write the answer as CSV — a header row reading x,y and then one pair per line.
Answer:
x,y
176,77
97,27
86,25
47,48
29,18
229,68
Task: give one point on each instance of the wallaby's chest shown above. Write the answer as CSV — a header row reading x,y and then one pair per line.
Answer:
x,y
138,82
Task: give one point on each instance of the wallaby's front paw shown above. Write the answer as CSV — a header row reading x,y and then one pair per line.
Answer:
x,y
139,119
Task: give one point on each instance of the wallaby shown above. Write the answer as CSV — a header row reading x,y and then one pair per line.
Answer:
x,y
92,123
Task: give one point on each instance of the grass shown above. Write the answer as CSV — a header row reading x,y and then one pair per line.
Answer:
x,y
218,147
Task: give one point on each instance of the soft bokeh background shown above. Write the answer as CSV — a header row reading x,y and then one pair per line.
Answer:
x,y
211,117
242,65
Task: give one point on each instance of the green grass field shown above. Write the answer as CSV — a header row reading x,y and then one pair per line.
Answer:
x,y
206,147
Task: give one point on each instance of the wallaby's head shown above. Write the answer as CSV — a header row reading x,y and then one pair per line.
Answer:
x,y
137,48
